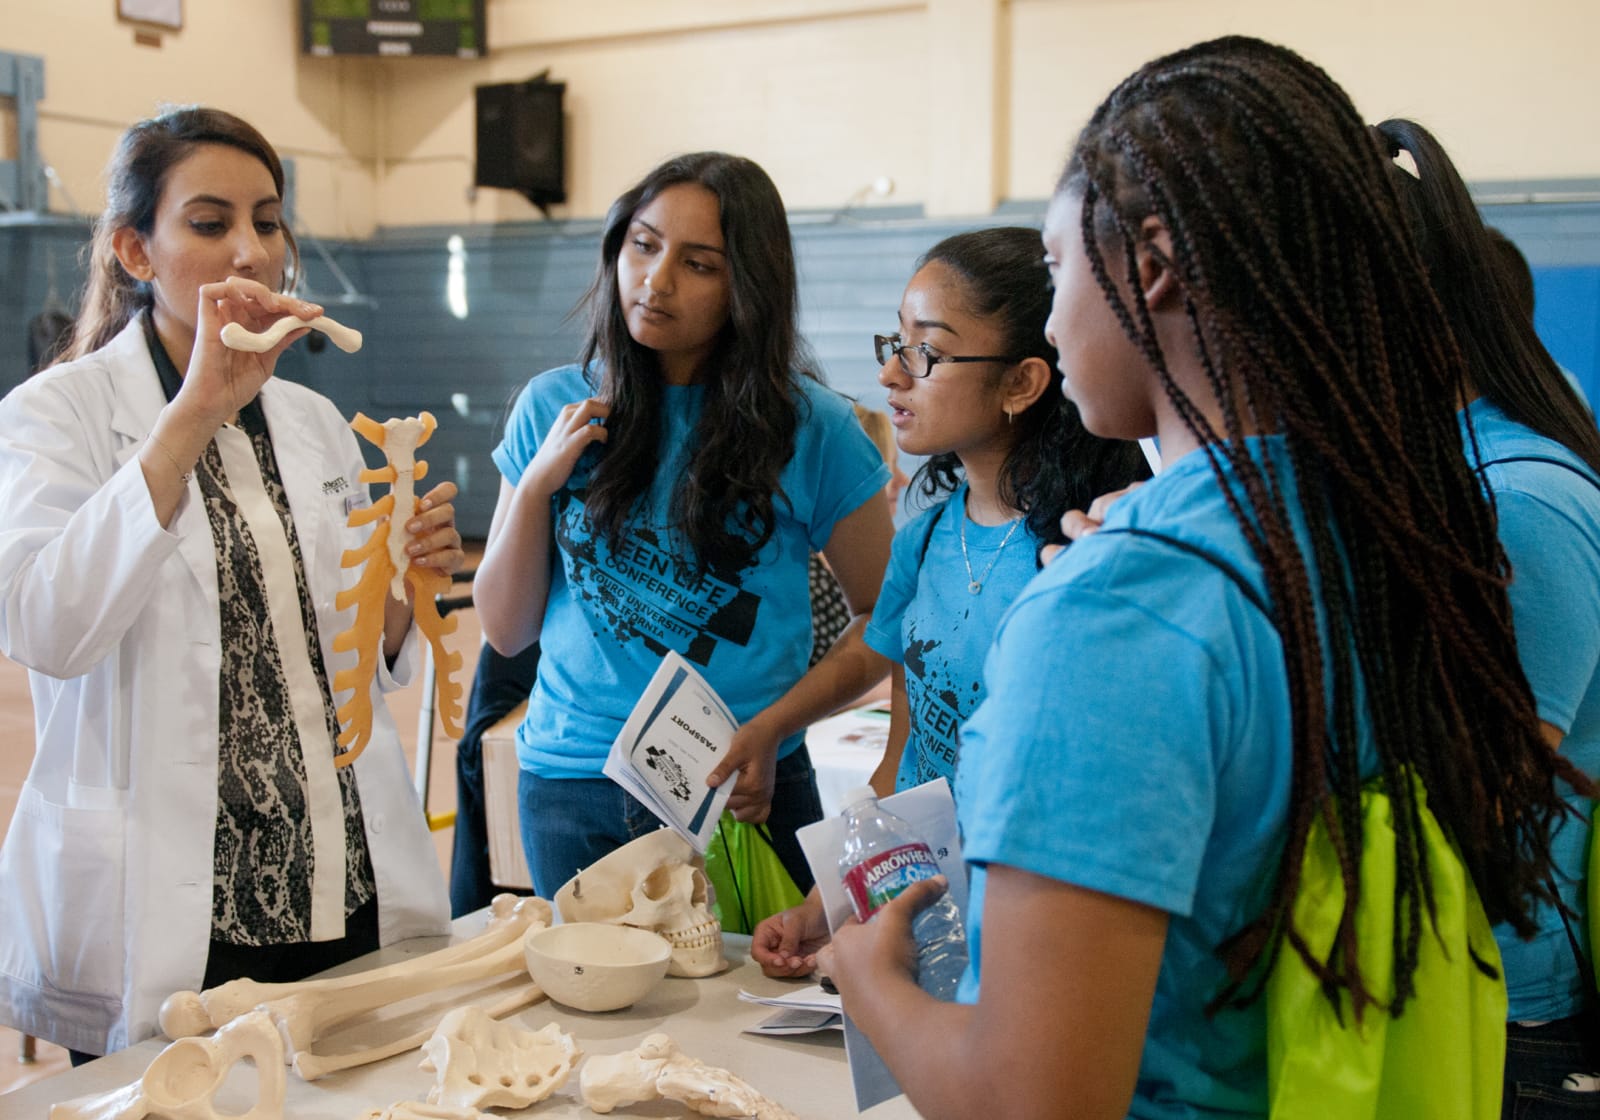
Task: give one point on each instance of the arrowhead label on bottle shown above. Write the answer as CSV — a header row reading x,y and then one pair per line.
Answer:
x,y
876,880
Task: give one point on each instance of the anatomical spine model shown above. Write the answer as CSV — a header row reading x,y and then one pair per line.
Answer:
x,y
658,1069
306,1009
387,566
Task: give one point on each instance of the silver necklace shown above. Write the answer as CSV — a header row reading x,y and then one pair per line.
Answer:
x,y
975,583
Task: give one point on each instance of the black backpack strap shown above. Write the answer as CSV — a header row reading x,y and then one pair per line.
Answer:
x,y
1246,588
1551,459
927,536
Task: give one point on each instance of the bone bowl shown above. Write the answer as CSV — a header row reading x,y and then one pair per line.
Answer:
x,y
593,966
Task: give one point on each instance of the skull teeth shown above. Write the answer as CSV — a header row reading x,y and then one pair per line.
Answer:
x,y
702,936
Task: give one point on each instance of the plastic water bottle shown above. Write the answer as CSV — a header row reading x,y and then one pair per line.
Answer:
x,y
882,857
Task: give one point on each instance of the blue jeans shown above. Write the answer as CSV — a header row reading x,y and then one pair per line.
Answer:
x,y
1538,1059
568,823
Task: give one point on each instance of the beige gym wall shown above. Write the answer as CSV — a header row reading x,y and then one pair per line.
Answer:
x,y
961,102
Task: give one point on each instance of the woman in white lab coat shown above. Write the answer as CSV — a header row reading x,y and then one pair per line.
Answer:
x,y
169,557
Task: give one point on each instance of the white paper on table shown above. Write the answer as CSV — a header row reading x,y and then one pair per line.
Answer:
x,y
798,1020
930,810
812,998
677,733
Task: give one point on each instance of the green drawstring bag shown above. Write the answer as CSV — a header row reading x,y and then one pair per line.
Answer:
x,y
1592,886
1443,1058
749,880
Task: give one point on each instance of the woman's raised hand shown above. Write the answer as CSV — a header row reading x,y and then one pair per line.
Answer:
x,y
576,426
220,381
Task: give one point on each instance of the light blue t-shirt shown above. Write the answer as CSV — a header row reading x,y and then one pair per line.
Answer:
x,y
1136,740
612,614
927,619
1550,529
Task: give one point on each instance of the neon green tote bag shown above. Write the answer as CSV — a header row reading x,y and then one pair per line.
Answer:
x,y
1443,1058
750,881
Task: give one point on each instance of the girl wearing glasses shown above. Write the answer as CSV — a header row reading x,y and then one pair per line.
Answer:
x,y
666,493
973,385
1310,594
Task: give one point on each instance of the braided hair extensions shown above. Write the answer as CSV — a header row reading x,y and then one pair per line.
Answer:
x,y
1312,318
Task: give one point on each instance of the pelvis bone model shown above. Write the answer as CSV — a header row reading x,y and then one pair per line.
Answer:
x,y
658,883
480,1063
182,1082
387,566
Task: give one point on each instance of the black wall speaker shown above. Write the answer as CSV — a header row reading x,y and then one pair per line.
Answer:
x,y
522,140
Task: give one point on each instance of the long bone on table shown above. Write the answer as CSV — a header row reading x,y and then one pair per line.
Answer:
x,y
307,1009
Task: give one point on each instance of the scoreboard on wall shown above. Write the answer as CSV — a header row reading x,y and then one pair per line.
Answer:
x,y
393,27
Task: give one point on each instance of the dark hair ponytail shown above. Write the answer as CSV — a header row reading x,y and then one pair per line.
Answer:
x,y
1506,362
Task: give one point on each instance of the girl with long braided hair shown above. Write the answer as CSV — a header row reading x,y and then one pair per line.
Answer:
x,y
1536,449
1308,598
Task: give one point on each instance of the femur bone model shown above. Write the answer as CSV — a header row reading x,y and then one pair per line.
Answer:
x,y
306,1010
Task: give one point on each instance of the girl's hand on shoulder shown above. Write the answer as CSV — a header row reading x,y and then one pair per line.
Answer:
x,y
863,953
435,540
220,381
1076,524
576,426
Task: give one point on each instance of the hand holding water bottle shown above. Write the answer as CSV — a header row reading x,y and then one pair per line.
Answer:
x,y
881,859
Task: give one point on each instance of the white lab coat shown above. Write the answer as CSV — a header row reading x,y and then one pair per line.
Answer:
x,y
106,871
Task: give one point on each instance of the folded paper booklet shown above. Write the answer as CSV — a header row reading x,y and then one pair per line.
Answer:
x,y
804,1011
797,1020
678,732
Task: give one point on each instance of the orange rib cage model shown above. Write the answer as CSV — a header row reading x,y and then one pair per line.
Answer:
x,y
387,570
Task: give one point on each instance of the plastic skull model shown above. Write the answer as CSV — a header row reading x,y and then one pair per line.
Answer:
x,y
658,883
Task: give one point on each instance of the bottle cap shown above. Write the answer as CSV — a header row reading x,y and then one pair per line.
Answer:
x,y
854,797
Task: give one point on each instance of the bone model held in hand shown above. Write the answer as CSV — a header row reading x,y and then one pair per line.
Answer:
x,y
387,570
236,336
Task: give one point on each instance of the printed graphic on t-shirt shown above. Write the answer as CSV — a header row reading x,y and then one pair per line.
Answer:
x,y
937,710
647,591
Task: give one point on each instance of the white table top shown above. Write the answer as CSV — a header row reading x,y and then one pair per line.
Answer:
x,y
845,749
805,1073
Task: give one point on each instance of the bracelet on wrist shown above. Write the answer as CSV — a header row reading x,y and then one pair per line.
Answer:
x,y
184,476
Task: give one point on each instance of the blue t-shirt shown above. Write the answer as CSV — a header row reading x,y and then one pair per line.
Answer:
x,y
1550,529
612,614
928,620
1137,741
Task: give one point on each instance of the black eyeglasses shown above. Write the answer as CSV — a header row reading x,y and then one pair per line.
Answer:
x,y
918,360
